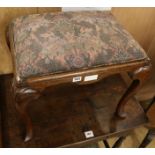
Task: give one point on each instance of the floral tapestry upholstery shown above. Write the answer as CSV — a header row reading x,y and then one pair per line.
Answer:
x,y
53,43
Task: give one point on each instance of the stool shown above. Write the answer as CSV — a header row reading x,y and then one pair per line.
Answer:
x,y
76,48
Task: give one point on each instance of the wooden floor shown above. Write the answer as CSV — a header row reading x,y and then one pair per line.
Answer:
x,y
62,115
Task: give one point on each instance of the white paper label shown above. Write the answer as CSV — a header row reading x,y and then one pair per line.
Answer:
x,y
89,134
77,78
90,77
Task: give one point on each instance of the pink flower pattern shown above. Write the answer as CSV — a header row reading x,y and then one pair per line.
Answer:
x,y
64,42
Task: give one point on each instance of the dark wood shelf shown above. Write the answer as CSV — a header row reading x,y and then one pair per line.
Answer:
x,y
62,115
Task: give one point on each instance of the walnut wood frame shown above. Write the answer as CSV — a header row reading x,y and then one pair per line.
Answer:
x,y
32,88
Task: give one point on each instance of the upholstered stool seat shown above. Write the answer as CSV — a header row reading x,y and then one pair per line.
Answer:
x,y
64,42
71,49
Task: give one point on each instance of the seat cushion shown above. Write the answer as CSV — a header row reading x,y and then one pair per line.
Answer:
x,y
52,43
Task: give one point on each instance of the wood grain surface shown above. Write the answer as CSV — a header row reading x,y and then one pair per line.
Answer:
x,y
139,22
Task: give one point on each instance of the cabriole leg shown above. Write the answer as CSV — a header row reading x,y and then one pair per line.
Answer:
x,y
22,98
139,76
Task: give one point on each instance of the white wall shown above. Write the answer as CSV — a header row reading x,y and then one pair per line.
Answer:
x,y
85,8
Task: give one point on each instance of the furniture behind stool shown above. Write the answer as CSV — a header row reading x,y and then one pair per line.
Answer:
x,y
71,48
